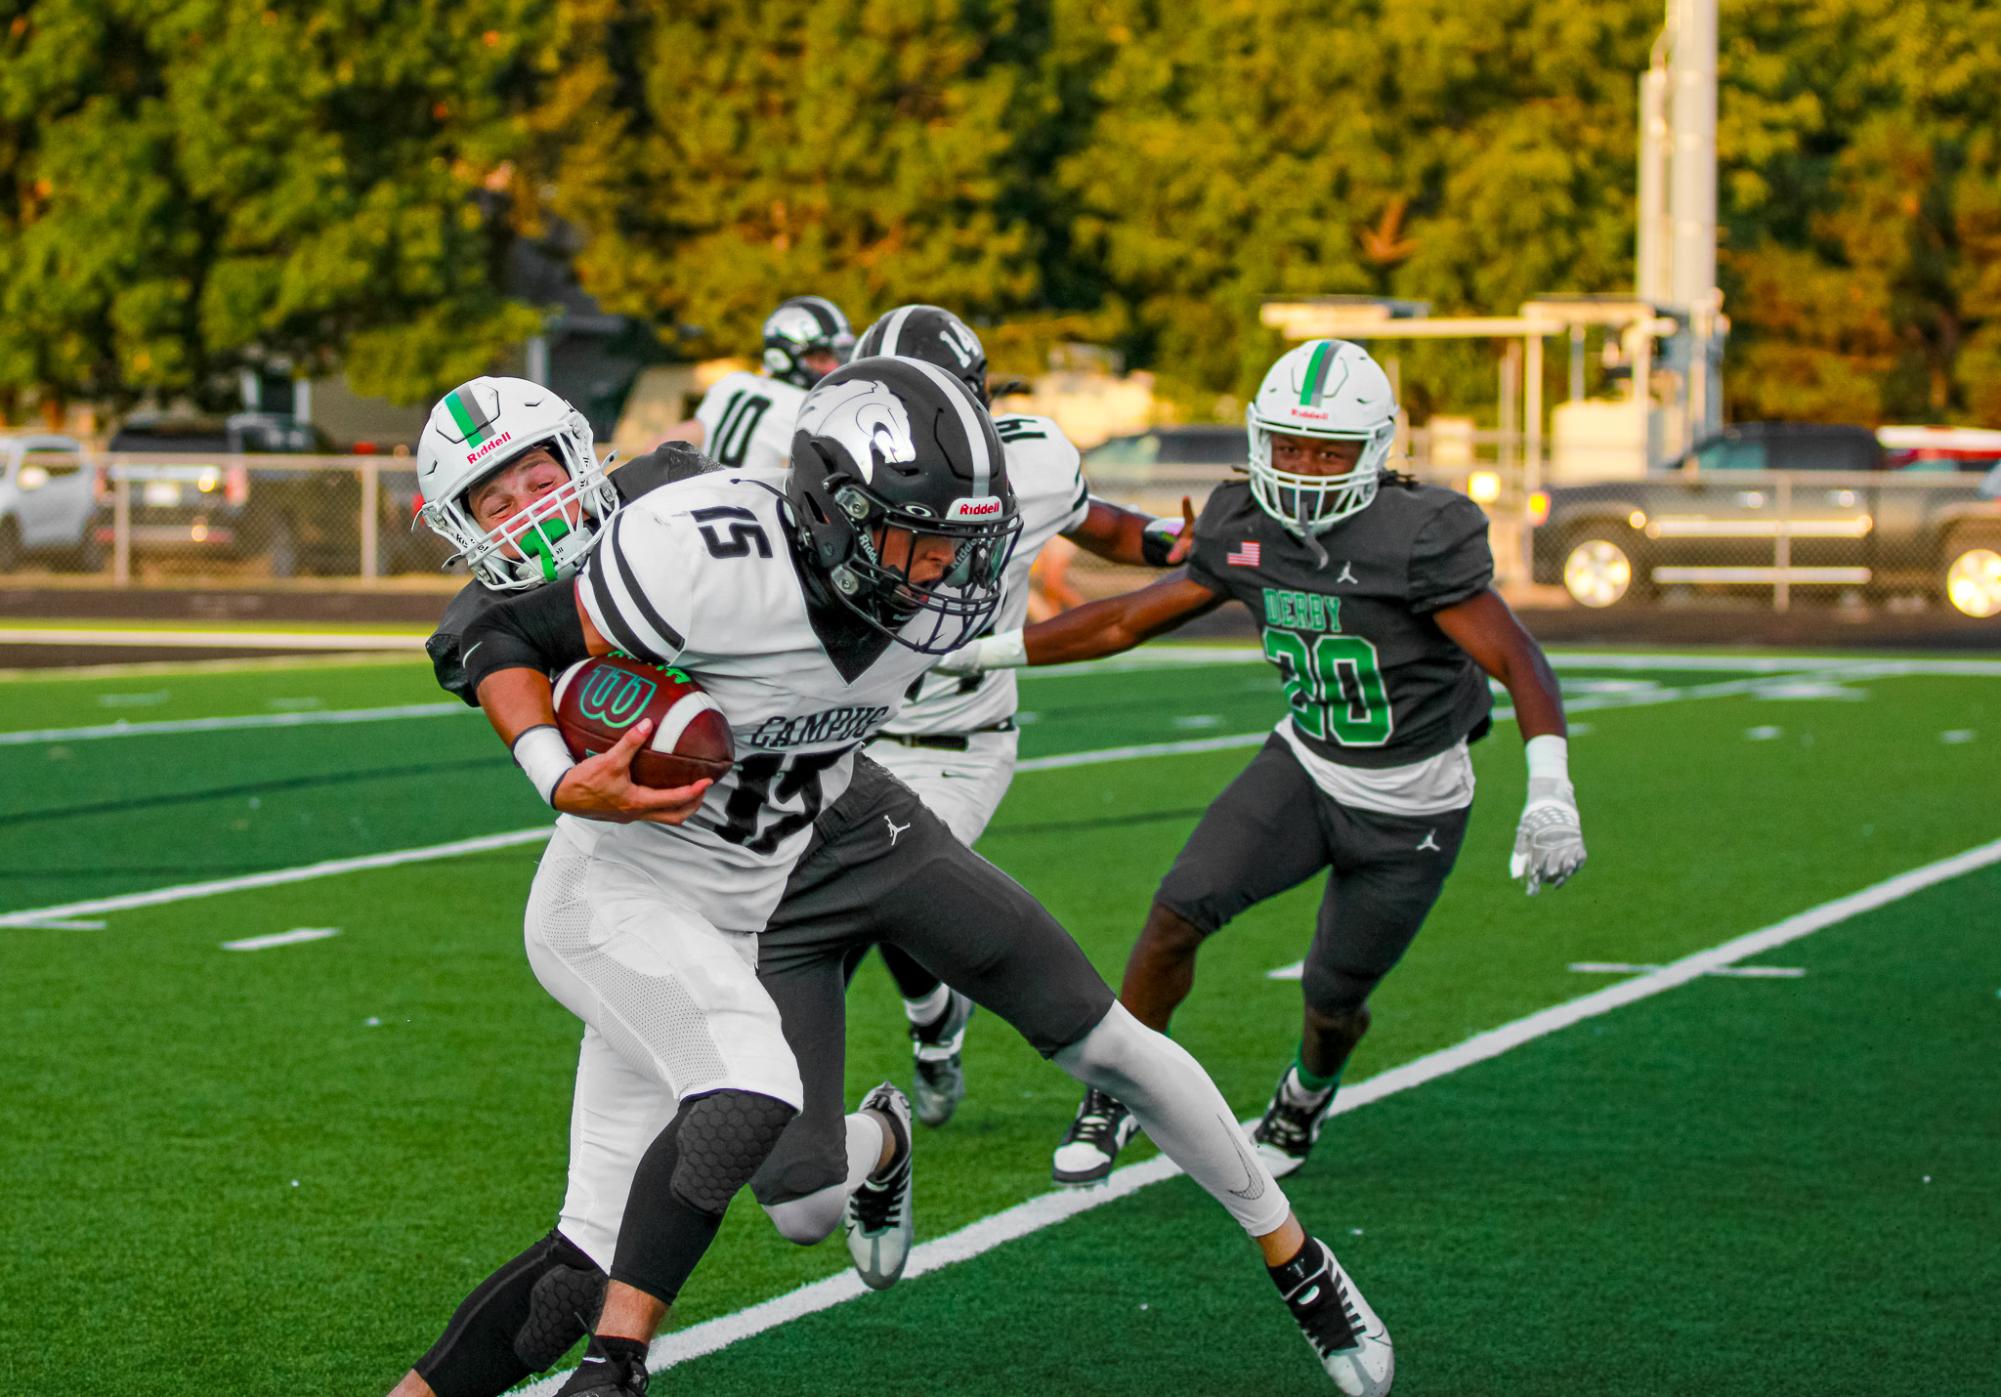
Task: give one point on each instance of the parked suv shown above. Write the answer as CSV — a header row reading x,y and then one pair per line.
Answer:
x,y
45,501
197,487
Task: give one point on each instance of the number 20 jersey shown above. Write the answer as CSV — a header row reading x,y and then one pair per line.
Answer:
x,y
698,574
1370,678
748,420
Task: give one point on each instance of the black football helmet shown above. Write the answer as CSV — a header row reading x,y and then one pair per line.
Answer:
x,y
899,444
935,335
801,326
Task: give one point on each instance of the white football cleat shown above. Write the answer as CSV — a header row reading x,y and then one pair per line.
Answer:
x,y
878,1221
941,1073
1352,1344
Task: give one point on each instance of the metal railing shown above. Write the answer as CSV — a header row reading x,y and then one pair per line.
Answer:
x,y
1903,538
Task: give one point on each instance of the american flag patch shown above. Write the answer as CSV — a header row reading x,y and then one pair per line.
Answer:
x,y
1246,555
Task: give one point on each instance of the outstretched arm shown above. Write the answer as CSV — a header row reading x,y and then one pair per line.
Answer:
x,y
1549,842
1122,535
1092,630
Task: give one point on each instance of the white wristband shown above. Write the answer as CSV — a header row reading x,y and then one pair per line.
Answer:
x,y
1001,650
1549,758
545,757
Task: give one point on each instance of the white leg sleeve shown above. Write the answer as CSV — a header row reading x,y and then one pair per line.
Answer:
x,y
1181,1111
813,1218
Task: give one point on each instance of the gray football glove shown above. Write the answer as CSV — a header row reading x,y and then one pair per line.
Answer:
x,y
1549,842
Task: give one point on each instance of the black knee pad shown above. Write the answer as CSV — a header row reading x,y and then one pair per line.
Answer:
x,y
519,1321
725,1135
685,1181
561,1310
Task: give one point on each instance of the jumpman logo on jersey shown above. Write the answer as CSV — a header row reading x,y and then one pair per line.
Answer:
x,y
894,830
1430,842
1348,573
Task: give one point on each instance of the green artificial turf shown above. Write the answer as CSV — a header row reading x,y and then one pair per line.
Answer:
x,y
410,1076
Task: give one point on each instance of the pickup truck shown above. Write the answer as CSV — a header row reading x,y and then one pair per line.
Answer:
x,y
1781,506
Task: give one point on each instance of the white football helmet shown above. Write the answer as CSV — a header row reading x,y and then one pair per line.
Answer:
x,y
483,425
1330,389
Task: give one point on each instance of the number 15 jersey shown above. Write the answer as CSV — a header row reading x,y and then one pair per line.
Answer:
x,y
699,574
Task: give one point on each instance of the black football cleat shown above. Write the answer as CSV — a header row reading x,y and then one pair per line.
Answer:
x,y
1091,1145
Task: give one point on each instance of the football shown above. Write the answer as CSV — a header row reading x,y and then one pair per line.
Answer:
x,y
598,699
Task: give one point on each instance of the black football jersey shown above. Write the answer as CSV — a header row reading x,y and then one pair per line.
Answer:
x,y
1370,678
667,463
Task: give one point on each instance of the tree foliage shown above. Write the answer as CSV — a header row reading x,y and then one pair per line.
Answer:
x,y
189,189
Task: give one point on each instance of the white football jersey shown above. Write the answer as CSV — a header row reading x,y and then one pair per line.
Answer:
x,y
698,574
749,419
1049,490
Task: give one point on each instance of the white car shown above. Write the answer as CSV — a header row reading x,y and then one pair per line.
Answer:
x,y
47,501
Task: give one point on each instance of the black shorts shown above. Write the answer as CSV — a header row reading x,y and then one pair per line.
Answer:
x,y
1273,828
883,868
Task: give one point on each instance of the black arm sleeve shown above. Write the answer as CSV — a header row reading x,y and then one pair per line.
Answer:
x,y
536,630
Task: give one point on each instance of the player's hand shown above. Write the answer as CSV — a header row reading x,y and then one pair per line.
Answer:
x,y
1549,842
1184,542
602,788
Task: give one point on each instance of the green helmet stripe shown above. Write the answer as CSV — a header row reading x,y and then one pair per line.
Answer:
x,y
1316,373
470,419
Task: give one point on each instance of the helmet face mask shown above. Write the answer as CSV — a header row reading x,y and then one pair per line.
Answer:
x,y
802,327
1327,390
480,429
899,496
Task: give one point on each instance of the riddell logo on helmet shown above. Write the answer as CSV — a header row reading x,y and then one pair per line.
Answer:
x,y
501,440
1315,413
984,507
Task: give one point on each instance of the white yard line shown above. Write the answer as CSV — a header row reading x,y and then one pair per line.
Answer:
x,y
157,726
1619,967
282,938
276,877
1762,674
1051,1208
210,640
1059,761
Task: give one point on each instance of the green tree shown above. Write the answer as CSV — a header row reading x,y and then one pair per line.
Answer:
x,y
719,157
196,188
1467,154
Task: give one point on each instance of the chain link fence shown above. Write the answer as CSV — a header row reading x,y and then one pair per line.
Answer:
x,y
1926,536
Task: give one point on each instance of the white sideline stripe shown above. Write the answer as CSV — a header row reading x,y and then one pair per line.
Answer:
x,y
1764,672
67,924
250,720
126,902
37,915
1747,972
210,640
282,938
1048,1209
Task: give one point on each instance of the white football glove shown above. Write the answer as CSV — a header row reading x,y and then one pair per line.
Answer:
x,y
1004,650
1549,842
